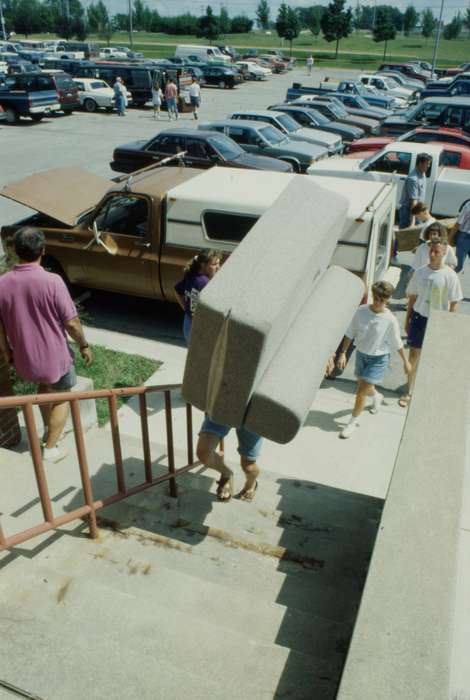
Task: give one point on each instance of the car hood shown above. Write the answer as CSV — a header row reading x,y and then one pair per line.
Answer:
x,y
316,136
263,162
61,193
347,129
300,148
372,143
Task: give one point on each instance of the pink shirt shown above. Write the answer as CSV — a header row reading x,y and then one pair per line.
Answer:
x,y
171,90
34,306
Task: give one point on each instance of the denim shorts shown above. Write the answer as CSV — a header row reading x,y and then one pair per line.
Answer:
x,y
417,329
371,368
195,101
67,381
249,444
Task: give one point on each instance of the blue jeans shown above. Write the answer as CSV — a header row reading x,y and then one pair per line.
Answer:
x,y
404,216
463,249
120,104
171,106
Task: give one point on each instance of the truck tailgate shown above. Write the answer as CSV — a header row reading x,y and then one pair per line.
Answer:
x,y
451,191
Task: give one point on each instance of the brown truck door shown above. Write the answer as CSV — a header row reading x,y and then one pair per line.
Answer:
x,y
124,221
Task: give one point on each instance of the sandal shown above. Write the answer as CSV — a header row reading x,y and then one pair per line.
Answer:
x,y
248,494
223,493
404,400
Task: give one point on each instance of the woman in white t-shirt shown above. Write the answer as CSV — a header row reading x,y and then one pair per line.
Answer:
x,y
433,232
195,96
434,286
157,99
376,333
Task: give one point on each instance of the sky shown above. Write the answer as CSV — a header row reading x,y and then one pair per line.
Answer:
x,y
248,7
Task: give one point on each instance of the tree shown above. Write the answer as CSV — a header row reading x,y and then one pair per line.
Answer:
x,y
336,22
453,29
466,19
241,24
314,19
428,24
224,21
26,17
410,19
357,17
99,21
287,24
384,29
208,26
262,14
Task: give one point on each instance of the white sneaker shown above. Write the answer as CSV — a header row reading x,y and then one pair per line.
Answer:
x,y
377,400
349,429
54,454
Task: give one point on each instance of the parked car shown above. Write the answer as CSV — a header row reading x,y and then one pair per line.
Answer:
x,y
264,139
311,119
288,126
439,111
205,53
447,189
358,102
459,87
202,148
230,51
288,60
253,71
425,134
450,72
66,89
388,85
277,65
403,80
28,95
95,94
341,101
407,69
221,76
157,225
339,114
348,87
112,53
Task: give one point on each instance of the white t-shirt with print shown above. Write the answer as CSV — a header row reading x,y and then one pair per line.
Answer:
x,y
374,334
195,90
421,256
435,289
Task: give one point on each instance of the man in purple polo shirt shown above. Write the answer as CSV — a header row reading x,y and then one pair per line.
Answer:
x,y
36,313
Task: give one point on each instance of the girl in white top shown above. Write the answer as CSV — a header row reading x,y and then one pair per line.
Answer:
x,y
376,333
157,97
433,232
195,96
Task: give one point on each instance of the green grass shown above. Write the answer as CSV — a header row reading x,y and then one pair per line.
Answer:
x,y
357,51
110,369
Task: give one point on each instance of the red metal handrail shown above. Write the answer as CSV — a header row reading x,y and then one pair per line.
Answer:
x,y
91,505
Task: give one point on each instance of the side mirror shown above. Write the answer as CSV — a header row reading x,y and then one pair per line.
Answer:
x,y
98,241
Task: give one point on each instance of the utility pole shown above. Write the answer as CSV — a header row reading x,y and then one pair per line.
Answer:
x,y
130,24
438,36
373,17
2,22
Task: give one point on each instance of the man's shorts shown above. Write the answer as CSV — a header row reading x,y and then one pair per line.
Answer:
x,y
371,368
417,329
249,444
66,382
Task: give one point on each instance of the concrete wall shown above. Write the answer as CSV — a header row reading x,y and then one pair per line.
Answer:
x,y
401,647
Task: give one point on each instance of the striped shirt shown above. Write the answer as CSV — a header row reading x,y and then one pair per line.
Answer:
x,y
464,219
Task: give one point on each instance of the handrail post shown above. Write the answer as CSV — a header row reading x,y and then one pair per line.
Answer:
x,y
83,465
170,445
38,465
121,481
3,539
189,432
145,437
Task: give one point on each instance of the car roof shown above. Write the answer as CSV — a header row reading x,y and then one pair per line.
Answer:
x,y
248,123
202,133
464,101
259,112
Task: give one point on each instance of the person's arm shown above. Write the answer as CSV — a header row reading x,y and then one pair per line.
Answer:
x,y
75,331
409,310
180,299
341,361
453,306
406,364
5,348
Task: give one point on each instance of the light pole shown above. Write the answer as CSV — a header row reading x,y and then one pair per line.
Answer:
x,y
438,36
130,23
2,22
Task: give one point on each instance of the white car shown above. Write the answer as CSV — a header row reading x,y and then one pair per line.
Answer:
x,y
255,71
94,93
112,52
388,85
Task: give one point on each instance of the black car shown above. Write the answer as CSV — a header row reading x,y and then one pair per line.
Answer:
x,y
202,149
221,76
438,111
312,119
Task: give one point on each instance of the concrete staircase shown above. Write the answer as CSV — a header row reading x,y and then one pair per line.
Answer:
x,y
181,598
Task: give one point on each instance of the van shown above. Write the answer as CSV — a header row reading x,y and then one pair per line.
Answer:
x,y
441,111
66,89
204,53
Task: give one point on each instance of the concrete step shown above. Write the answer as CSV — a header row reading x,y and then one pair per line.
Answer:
x,y
71,615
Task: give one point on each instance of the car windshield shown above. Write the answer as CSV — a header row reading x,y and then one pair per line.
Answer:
x,y
288,123
319,118
98,85
390,83
367,161
338,112
272,135
225,146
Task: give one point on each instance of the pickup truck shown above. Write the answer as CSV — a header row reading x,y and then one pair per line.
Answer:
x,y
28,95
136,236
345,86
454,88
447,189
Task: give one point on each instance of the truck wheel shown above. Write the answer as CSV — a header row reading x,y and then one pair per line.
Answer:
x,y
11,116
90,105
222,84
37,117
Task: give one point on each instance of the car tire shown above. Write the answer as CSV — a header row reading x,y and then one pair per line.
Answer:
x,y
222,84
295,164
37,117
11,116
90,105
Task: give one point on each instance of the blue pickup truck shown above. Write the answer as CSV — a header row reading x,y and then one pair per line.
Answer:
x,y
452,88
28,95
350,87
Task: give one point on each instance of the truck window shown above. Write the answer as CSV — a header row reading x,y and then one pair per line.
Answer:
x,y
431,111
196,149
124,214
450,159
392,162
166,144
454,116
225,226
140,78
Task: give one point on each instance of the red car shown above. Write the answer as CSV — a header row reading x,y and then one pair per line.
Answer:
x,y
453,155
422,135
450,72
